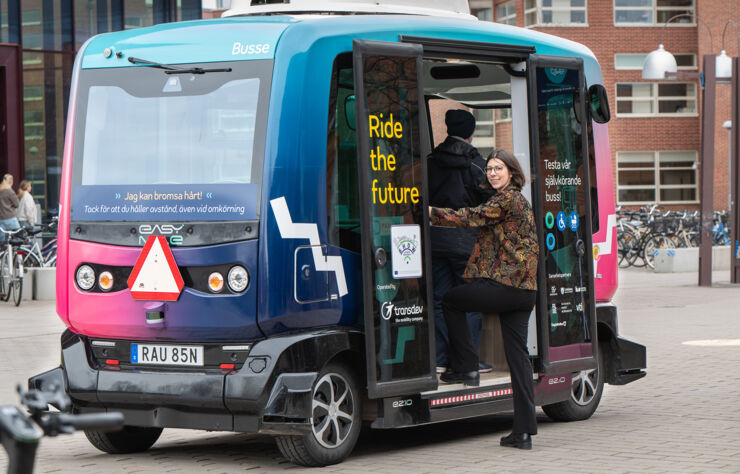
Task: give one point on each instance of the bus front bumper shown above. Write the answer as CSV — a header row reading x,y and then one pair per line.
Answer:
x,y
253,400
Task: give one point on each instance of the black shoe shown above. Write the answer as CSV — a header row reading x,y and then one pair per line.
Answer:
x,y
484,368
467,378
517,440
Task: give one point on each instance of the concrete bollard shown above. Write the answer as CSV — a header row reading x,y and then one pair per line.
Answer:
x,y
45,285
687,259
28,283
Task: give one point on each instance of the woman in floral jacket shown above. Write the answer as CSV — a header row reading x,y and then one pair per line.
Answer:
x,y
502,276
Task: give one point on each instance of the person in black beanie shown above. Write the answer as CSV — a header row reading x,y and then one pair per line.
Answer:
x,y
455,171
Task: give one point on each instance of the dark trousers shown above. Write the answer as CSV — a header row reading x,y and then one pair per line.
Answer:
x,y
447,274
514,307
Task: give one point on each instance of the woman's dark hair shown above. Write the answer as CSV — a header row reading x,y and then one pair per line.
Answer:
x,y
508,158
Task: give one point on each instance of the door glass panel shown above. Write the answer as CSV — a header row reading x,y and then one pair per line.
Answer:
x,y
567,245
393,191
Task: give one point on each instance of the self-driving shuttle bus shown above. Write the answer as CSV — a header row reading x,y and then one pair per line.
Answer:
x,y
244,242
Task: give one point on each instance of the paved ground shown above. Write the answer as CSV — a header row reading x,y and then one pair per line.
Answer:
x,y
683,417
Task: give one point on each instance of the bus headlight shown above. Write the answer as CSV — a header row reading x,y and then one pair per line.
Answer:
x,y
85,277
215,282
238,279
105,281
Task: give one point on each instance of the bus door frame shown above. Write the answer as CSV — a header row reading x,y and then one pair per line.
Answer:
x,y
373,257
561,365
420,47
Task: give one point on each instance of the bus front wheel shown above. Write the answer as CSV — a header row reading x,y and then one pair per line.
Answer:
x,y
585,395
130,439
335,421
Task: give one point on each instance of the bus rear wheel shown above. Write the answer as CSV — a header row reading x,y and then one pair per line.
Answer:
x,y
130,439
335,421
585,395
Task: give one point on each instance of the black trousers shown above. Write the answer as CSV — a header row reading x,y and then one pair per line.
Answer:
x,y
514,306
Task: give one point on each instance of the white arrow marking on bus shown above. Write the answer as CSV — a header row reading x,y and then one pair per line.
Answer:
x,y
291,230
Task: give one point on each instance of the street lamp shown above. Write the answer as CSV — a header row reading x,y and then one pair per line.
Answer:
x,y
660,64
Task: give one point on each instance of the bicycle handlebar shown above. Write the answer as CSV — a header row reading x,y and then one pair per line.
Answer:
x,y
91,421
21,432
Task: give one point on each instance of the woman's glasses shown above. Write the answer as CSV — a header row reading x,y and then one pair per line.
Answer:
x,y
495,169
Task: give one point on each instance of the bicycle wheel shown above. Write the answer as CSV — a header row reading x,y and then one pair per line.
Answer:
x,y
18,280
30,259
652,246
4,277
637,252
624,249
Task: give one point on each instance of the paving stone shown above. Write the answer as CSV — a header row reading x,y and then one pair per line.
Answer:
x,y
666,422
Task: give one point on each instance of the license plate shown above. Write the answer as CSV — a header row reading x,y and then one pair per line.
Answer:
x,y
166,354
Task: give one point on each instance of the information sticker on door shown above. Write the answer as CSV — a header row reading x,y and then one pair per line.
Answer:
x,y
406,251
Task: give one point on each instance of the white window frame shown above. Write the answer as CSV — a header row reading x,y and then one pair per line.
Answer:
x,y
655,8
657,186
484,141
507,19
502,115
693,67
479,6
538,9
655,99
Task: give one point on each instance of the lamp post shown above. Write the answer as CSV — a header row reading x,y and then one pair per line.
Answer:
x,y
660,64
735,174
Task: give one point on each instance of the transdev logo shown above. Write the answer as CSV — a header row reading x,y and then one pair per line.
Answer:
x,y
388,309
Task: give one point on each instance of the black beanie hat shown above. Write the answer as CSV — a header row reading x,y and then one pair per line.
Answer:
x,y
460,123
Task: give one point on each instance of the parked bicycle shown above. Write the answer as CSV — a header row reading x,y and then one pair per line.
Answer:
x,y
35,254
641,233
11,266
21,432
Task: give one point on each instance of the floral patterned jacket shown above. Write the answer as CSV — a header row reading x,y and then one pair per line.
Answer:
x,y
506,250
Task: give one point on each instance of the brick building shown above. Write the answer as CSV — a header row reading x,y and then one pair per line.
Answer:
x,y
655,132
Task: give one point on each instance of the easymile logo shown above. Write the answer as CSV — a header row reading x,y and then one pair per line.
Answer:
x,y
388,309
170,231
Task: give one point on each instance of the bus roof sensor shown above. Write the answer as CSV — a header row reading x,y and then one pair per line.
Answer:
x,y
446,8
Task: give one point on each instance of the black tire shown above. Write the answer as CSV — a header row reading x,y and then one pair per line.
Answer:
x,y
652,246
5,278
585,395
18,281
130,439
624,248
335,423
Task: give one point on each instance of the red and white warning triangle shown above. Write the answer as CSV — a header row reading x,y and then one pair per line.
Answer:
x,y
155,275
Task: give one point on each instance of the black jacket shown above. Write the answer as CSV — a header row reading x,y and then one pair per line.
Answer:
x,y
456,171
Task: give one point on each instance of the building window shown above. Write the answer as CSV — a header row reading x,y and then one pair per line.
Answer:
x,y
554,12
653,12
634,61
503,115
647,99
662,177
506,12
481,9
483,136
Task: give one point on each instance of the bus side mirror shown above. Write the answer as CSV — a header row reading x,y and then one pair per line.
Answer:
x,y
349,111
598,103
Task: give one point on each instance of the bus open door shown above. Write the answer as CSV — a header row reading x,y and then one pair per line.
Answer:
x,y
399,331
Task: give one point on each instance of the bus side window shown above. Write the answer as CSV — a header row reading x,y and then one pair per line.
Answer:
x,y
343,201
592,179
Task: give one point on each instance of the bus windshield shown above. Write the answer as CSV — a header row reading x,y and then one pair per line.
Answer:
x,y
142,133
